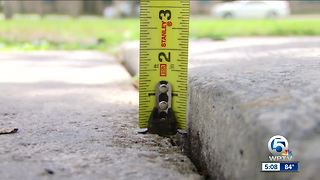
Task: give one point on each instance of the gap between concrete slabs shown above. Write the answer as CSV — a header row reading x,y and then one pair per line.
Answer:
x,y
242,92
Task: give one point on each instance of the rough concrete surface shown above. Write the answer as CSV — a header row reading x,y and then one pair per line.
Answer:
x,y
242,92
246,91
77,119
129,56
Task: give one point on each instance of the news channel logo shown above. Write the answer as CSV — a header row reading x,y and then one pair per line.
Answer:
x,y
281,156
279,148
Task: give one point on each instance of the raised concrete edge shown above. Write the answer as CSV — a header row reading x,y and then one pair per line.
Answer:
x,y
232,115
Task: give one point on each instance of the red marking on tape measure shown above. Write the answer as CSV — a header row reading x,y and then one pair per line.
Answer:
x,y
163,70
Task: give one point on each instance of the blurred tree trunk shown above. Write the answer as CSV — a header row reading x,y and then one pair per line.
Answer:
x,y
8,10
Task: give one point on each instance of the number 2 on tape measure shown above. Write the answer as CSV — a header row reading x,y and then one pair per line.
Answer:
x,y
164,32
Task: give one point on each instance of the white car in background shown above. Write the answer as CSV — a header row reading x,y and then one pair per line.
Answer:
x,y
252,9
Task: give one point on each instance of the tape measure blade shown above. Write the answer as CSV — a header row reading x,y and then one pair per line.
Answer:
x,y
164,32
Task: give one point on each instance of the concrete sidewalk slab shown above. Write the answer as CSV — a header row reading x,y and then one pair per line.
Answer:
x,y
129,56
243,95
77,119
242,92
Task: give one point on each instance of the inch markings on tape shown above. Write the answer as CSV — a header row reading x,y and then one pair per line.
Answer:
x,y
164,32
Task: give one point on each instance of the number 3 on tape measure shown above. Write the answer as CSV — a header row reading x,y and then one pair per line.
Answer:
x,y
164,32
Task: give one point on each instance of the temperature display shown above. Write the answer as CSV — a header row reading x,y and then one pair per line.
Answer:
x,y
280,166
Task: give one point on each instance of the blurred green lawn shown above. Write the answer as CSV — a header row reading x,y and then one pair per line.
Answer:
x,y
62,32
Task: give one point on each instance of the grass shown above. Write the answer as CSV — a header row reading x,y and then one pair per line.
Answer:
x,y
201,28
33,33
62,32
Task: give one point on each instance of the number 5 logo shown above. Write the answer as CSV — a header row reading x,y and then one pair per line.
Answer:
x,y
277,144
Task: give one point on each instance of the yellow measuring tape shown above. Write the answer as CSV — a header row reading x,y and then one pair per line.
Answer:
x,y
164,32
